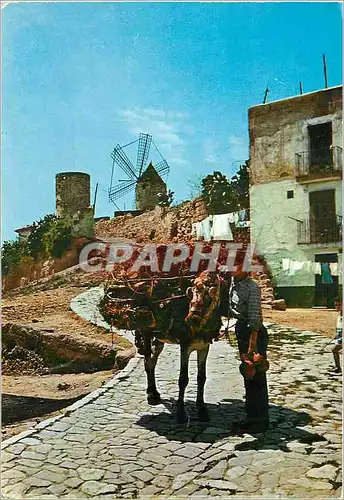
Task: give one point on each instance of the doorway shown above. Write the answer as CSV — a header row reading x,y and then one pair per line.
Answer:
x,y
322,217
326,282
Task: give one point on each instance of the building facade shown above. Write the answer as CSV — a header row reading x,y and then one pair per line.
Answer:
x,y
24,233
148,188
296,193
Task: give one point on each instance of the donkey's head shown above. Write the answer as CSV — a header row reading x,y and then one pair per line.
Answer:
x,y
203,298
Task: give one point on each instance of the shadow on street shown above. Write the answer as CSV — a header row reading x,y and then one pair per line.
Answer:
x,y
286,425
18,408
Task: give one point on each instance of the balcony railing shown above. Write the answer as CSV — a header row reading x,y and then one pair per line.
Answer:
x,y
319,162
325,230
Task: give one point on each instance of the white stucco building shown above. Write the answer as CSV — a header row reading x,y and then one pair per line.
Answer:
x,y
296,192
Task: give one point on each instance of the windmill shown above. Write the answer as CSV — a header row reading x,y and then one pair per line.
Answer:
x,y
146,180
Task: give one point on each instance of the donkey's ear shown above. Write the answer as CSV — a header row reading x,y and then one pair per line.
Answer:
x,y
189,293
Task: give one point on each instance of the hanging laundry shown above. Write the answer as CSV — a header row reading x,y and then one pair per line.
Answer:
x,y
317,268
295,266
285,264
243,223
308,266
242,215
206,227
334,268
221,229
231,218
326,277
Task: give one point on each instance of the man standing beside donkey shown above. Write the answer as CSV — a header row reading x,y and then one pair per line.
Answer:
x,y
243,303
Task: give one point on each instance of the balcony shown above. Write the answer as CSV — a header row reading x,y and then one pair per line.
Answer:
x,y
319,231
319,163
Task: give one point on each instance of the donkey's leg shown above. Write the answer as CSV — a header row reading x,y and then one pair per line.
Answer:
x,y
202,355
153,396
183,381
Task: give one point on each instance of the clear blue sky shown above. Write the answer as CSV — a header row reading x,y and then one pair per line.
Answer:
x,y
78,78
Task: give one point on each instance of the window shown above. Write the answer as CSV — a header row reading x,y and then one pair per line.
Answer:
x,y
290,194
320,142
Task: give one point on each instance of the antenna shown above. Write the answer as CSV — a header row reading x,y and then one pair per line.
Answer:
x,y
325,70
301,92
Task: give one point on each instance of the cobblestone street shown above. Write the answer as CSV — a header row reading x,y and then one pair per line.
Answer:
x,y
112,444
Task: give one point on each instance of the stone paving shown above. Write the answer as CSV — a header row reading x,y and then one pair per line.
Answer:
x,y
112,444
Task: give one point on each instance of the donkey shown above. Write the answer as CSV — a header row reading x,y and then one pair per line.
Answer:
x,y
194,321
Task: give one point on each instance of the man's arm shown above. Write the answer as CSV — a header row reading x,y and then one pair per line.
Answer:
x,y
254,312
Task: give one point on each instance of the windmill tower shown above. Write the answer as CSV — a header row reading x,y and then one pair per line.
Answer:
x,y
145,180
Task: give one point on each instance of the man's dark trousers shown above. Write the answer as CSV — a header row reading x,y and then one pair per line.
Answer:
x,y
256,390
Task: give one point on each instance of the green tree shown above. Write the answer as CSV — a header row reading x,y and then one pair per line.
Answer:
x,y
166,199
35,240
11,254
58,238
241,186
216,192
221,195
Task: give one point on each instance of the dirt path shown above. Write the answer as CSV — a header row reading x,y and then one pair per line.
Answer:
x,y
314,320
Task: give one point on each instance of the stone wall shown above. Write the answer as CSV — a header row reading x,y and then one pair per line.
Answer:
x,y
161,225
33,270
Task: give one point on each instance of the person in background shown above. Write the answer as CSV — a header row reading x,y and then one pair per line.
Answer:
x,y
338,344
245,306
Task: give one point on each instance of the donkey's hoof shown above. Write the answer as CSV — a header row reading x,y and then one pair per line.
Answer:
x,y
203,415
154,399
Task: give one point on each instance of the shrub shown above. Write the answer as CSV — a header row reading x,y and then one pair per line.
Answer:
x,y
58,238
221,195
11,254
35,240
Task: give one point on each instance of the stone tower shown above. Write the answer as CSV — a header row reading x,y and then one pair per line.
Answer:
x,y
148,188
73,201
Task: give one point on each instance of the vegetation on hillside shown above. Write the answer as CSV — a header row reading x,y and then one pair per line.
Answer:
x,y
50,237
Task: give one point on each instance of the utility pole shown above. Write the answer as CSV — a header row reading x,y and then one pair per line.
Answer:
x,y
325,70
95,198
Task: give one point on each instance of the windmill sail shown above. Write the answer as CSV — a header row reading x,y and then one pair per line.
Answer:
x,y
119,157
138,176
162,168
143,149
122,189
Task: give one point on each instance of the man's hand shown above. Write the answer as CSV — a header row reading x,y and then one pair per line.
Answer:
x,y
252,346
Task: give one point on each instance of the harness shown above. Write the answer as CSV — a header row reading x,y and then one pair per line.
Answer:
x,y
213,305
